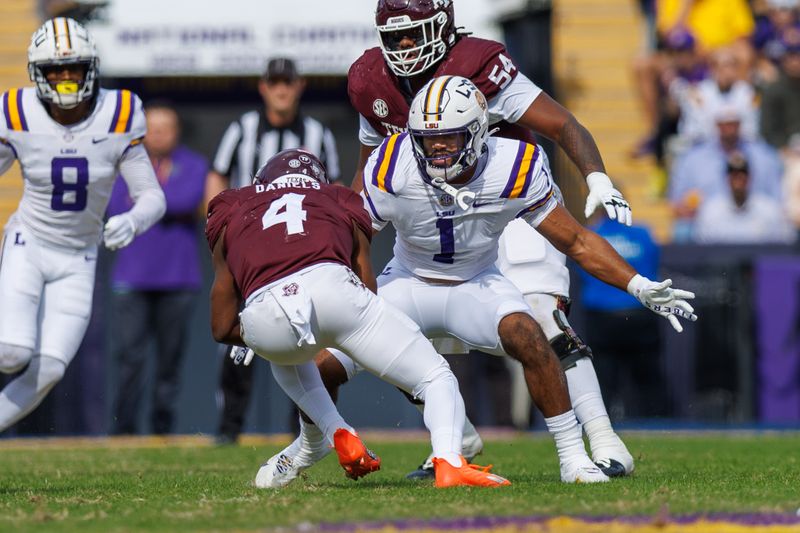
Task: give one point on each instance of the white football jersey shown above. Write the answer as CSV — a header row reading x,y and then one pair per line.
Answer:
x,y
68,171
437,239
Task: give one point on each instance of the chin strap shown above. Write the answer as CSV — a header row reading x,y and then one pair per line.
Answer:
x,y
463,198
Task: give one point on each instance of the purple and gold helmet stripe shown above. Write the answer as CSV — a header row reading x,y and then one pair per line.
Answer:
x,y
433,98
539,203
387,159
12,107
521,172
123,114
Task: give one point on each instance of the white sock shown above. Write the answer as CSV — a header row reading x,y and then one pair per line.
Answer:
x,y
303,384
470,431
567,434
25,392
587,402
444,417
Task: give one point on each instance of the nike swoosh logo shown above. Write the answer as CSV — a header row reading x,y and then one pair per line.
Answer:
x,y
88,258
95,141
481,204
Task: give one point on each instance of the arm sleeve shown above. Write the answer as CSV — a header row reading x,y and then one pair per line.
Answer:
x,y
512,102
374,200
367,134
541,199
149,204
226,151
331,159
7,156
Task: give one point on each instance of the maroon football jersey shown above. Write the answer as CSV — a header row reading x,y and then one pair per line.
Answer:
x,y
275,229
375,90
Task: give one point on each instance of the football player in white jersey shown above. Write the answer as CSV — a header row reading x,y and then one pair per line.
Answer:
x,y
71,139
449,191
420,40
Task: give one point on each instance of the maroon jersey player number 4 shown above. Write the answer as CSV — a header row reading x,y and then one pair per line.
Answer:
x,y
302,223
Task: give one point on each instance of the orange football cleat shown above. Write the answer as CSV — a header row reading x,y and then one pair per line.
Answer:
x,y
466,475
356,459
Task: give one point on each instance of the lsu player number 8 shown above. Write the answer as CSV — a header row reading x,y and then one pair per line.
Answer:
x,y
71,138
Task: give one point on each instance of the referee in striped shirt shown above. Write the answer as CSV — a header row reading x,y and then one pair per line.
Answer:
x,y
246,145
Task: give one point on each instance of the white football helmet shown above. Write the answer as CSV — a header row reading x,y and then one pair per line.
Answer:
x,y
62,41
446,106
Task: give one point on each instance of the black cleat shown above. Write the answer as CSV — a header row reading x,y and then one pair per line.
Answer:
x,y
610,467
422,473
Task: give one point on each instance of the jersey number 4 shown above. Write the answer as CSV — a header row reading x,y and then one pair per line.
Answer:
x,y
293,214
70,176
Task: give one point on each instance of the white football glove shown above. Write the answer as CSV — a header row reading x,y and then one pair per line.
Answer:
x,y
119,231
241,355
663,300
603,193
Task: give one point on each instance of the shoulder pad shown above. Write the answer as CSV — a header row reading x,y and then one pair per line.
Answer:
x,y
128,117
13,110
486,63
219,210
382,174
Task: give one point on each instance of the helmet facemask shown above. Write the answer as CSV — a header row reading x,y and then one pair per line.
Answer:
x,y
430,43
442,163
65,94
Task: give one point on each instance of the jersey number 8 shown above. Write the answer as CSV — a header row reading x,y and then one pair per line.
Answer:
x,y
69,195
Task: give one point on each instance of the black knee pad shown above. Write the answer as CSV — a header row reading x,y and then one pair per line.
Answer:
x,y
410,398
569,347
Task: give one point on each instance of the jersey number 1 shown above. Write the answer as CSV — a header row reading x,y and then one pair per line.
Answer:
x,y
447,241
69,195
293,214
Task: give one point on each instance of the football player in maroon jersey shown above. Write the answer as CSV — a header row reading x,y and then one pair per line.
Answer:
x,y
292,252
419,41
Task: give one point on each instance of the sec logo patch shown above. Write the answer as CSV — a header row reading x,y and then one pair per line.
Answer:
x,y
380,108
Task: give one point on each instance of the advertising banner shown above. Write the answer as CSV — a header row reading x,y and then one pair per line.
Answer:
x,y
235,37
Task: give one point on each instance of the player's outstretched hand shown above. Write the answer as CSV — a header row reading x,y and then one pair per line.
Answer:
x,y
241,355
663,300
119,231
603,193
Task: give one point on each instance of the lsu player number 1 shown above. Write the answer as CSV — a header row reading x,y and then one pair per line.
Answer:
x,y
70,177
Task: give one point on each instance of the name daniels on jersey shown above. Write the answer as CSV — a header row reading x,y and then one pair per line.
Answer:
x,y
287,182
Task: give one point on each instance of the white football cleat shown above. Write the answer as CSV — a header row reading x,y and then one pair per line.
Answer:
x,y
581,469
614,461
284,467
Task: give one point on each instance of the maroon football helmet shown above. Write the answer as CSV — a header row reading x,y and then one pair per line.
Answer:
x,y
430,23
291,162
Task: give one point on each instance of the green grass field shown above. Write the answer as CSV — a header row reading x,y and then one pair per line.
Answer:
x,y
66,487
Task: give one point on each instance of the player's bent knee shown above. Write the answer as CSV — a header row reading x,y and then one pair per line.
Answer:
x,y
13,358
522,338
336,367
50,371
440,374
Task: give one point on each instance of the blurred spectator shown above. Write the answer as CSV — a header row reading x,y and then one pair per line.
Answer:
x,y
246,145
739,216
677,60
700,173
715,23
156,280
628,365
699,101
780,106
772,30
